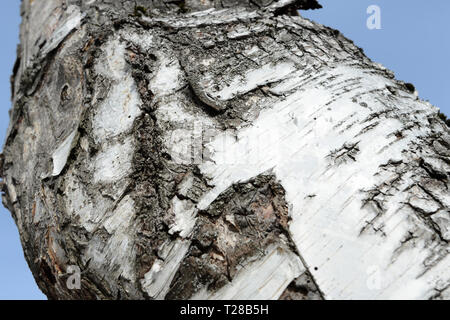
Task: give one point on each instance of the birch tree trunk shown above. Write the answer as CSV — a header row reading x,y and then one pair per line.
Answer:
x,y
222,150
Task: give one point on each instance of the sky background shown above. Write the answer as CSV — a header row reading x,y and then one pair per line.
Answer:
x,y
413,41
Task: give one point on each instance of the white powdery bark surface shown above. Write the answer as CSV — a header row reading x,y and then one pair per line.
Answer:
x,y
293,138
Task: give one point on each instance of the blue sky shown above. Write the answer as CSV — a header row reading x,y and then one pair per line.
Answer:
x,y
413,42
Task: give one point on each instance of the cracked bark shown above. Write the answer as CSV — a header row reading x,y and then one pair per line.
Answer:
x,y
317,175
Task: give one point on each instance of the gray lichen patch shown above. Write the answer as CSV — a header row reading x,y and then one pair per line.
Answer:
x,y
239,225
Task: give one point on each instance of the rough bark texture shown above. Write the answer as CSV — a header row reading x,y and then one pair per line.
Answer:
x,y
317,175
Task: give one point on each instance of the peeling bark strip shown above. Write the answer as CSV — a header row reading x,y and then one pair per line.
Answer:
x,y
220,149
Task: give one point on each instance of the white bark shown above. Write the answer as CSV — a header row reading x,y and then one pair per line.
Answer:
x,y
235,153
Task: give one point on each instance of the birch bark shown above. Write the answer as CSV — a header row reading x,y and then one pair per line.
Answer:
x,y
220,149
